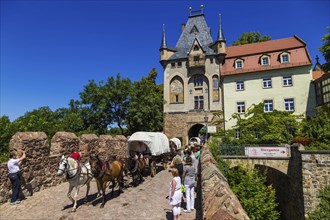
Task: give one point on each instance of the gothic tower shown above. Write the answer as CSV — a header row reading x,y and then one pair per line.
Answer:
x,y
192,90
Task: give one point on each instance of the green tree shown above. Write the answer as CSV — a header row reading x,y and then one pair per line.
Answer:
x,y
251,37
259,127
118,92
42,119
146,107
6,132
93,105
318,129
70,120
105,104
322,211
257,199
325,49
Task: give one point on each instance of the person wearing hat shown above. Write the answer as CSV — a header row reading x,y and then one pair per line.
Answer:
x,y
14,175
75,155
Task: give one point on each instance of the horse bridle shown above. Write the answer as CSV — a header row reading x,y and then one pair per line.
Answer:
x,y
67,170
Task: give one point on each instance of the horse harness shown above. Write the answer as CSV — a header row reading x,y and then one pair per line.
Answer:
x,y
78,168
103,166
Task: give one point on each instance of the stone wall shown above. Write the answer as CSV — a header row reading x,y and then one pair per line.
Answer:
x,y
315,176
42,159
219,202
175,126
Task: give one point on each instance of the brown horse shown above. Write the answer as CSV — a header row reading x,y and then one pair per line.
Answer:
x,y
107,172
136,169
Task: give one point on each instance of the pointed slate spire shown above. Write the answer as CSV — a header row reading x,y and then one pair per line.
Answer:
x,y
221,37
318,66
163,45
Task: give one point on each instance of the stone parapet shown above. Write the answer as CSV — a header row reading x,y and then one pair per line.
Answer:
x,y
219,202
42,159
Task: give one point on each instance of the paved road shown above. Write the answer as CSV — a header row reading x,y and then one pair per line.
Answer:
x,y
146,201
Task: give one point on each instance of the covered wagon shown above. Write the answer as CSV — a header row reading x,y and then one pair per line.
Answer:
x,y
155,144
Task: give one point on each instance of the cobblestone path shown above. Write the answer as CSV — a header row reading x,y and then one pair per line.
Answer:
x,y
146,201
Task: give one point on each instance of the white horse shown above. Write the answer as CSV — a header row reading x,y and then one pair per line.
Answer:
x,y
77,175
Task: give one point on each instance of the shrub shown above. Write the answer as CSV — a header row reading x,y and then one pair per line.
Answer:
x,y
322,212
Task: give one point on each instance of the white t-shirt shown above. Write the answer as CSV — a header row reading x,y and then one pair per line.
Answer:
x,y
13,165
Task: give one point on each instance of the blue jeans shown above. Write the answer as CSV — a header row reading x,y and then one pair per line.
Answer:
x,y
15,182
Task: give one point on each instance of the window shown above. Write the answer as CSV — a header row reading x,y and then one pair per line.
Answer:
x,y
264,61
179,64
172,65
199,102
285,58
196,48
196,58
239,64
211,60
287,81
256,131
198,81
237,133
176,90
268,105
215,93
267,83
215,82
240,86
240,107
289,104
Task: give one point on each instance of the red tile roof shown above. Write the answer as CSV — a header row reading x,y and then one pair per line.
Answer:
x,y
251,54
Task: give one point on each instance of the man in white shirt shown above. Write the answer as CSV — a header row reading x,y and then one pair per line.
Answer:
x,y
13,168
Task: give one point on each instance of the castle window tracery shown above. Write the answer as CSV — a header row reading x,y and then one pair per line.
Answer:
x,y
176,90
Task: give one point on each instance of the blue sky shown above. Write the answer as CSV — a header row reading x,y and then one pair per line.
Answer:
x,y
50,49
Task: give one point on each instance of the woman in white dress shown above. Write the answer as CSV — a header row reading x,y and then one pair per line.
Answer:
x,y
175,195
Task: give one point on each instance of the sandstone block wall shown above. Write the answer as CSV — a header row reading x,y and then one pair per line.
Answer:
x,y
219,202
41,165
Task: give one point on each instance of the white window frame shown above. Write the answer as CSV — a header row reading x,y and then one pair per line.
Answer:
x,y
239,64
240,86
262,61
287,81
282,58
267,83
240,107
289,104
268,105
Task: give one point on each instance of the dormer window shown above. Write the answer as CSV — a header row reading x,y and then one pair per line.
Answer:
x,y
285,58
179,64
264,60
196,48
172,65
239,64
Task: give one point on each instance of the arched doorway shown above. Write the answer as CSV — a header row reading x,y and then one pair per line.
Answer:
x,y
194,131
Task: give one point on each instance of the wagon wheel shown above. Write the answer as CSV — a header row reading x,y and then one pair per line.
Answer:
x,y
153,169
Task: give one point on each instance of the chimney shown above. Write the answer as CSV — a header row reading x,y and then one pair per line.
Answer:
x,y
182,27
